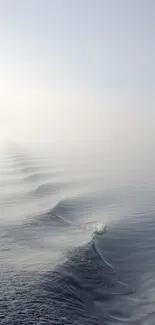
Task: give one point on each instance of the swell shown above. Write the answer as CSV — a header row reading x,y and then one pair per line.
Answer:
x,y
23,179
42,175
93,285
66,295
109,280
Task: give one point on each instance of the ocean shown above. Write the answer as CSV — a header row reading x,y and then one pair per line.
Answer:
x,y
76,246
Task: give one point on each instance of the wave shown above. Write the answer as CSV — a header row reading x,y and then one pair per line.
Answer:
x,y
108,280
29,169
45,189
38,176
68,211
80,205
69,294
48,276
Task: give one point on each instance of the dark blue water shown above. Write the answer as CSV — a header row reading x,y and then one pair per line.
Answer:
x,y
75,247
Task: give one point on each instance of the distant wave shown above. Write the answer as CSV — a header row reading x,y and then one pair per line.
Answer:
x,y
28,169
45,189
77,206
36,176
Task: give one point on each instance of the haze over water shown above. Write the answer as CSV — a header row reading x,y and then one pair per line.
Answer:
x,y
77,184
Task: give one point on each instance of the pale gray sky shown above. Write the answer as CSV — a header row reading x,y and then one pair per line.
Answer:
x,y
77,72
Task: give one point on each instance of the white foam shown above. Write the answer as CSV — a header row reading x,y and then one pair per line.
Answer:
x,y
100,229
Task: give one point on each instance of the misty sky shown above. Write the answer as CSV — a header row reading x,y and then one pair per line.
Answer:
x,y
78,72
